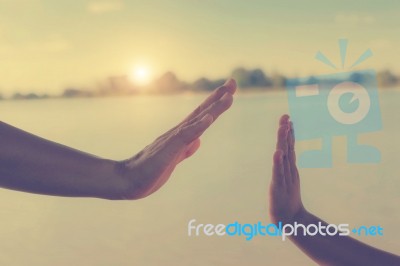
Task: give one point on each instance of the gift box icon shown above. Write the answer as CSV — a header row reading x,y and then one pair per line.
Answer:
x,y
341,104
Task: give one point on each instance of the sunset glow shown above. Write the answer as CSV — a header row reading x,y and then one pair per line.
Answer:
x,y
141,75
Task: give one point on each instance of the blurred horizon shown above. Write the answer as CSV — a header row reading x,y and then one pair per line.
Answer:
x,y
248,80
47,46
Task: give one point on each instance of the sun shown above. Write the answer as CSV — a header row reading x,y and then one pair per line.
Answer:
x,y
140,75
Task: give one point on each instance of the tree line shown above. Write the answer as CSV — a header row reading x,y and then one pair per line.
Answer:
x,y
247,79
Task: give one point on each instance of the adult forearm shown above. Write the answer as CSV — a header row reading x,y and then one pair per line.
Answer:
x,y
32,164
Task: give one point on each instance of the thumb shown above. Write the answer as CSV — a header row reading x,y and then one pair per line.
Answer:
x,y
190,150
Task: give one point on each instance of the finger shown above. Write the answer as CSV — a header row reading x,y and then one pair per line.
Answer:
x,y
217,108
229,87
286,163
186,134
277,168
291,143
292,153
281,141
193,131
284,120
282,145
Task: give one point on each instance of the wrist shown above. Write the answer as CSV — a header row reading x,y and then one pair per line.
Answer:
x,y
112,182
302,216
287,217
128,184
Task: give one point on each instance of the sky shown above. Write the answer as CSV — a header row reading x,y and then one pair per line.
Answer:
x,y
48,45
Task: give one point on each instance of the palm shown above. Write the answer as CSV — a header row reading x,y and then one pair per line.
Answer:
x,y
147,171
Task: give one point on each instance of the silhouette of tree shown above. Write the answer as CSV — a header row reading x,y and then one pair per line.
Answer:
x,y
251,78
278,81
120,85
206,84
242,77
28,96
387,79
74,92
168,82
259,79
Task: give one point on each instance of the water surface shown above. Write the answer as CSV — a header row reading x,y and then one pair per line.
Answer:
x,y
226,181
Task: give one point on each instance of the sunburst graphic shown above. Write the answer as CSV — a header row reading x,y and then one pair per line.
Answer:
x,y
343,43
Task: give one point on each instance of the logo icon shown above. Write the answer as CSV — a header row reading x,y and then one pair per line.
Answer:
x,y
339,104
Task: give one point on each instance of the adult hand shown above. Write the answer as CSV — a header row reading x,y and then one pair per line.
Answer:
x,y
148,170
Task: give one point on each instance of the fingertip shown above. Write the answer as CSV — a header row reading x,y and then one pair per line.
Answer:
x,y
227,99
284,119
292,128
230,85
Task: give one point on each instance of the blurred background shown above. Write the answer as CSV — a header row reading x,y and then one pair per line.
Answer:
x,y
109,76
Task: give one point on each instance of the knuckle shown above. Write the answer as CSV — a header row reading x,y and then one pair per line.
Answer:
x,y
179,135
198,110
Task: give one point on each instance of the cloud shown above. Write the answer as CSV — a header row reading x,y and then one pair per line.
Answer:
x,y
354,19
104,6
